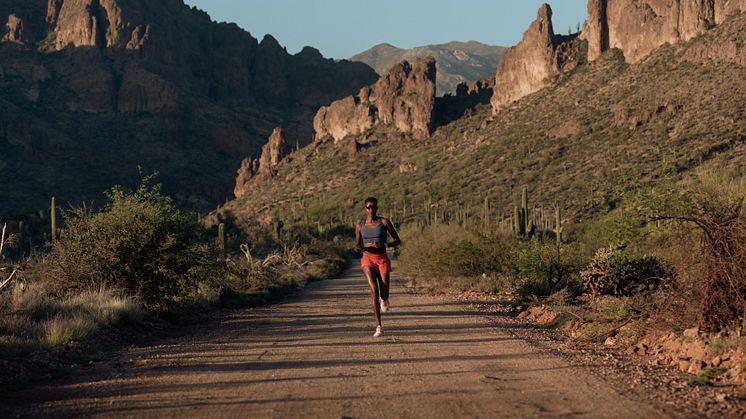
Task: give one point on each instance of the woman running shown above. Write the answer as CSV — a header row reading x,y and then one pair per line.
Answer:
x,y
370,239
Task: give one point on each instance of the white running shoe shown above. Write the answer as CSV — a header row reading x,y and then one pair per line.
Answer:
x,y
379,332
385,306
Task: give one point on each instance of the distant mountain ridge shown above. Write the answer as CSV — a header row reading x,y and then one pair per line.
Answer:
x,y
457,62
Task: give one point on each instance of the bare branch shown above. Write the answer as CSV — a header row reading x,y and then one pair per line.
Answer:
x,y
7,281
2,239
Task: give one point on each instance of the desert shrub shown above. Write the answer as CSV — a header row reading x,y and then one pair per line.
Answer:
x,y
261,275
543,271
537,261
713,203
443,250
139,242
612,272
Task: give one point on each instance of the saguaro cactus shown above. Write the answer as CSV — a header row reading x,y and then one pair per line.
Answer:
x,y
558,232
221,238
53,219
524,212
558,225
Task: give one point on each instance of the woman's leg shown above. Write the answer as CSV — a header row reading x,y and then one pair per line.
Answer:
x,y
373,284
385,285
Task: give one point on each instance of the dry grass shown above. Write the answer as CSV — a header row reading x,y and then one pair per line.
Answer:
x,y
60,331
36,315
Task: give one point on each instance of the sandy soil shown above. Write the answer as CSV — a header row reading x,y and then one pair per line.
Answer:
x,y
314,356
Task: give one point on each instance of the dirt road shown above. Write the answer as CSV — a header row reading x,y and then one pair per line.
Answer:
x,y
314,356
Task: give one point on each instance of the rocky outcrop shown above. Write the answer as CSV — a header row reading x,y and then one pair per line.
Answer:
x,y
728,52
404,98
638,27
15,31
247,171
93,23
482,87
142,91
525,67
265,166
92,91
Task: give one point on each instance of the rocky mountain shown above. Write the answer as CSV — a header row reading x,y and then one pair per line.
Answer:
x,y
579,134
457,62
93,92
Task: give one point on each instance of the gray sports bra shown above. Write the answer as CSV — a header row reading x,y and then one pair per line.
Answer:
x,y
377,234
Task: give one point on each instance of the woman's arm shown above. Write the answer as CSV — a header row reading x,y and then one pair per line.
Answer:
x,y
358,240
392,231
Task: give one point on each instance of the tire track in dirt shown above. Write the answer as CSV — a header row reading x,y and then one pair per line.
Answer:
x,y
314,356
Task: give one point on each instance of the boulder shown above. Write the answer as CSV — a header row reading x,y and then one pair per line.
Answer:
x,y
638,27
691,333
403,98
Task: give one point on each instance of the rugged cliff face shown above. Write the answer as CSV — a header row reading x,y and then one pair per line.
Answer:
x,y
113,85
639,27
526,67
265,167
636,27
404,98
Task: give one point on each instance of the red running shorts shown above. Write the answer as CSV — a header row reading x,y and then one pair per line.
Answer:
x,y
381,262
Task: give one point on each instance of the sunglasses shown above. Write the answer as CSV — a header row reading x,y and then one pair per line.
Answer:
x,y
370,207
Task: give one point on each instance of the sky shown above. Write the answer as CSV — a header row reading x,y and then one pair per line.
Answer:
x,y
343,28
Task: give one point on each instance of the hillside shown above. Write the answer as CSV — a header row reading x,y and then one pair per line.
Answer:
x,y
597,130
457,62
93,93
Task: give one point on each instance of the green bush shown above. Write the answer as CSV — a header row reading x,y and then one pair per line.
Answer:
x,y
543,271
443,250
139,242
612,272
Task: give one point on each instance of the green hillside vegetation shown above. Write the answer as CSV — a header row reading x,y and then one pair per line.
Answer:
x,y
564,143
